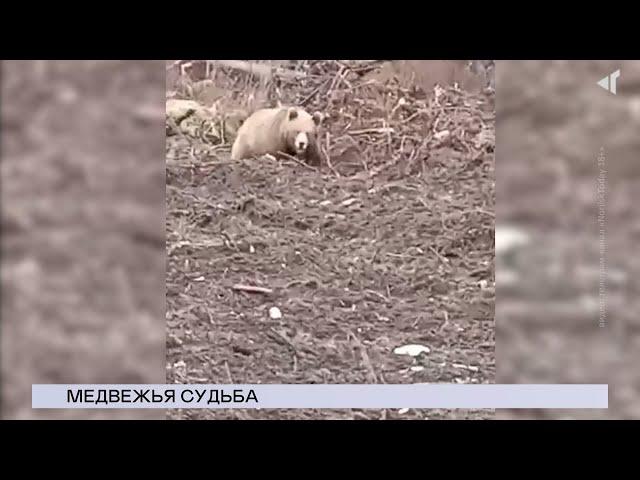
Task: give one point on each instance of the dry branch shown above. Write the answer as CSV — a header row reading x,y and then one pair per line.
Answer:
x,y
252,289
294,159
370,130
365,357
258,69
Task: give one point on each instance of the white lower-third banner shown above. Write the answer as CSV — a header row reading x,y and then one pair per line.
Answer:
x,y
436,395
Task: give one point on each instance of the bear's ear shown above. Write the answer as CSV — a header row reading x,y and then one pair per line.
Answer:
x,y
317,118
293,113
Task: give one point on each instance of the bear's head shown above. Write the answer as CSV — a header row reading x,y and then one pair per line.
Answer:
x,y
300,129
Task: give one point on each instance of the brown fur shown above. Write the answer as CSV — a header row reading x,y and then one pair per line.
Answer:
x,y
273,131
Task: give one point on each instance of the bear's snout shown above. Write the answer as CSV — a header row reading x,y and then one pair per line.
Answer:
x,y
301,142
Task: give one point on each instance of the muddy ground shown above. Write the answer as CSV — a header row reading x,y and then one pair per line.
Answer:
x,y
390,242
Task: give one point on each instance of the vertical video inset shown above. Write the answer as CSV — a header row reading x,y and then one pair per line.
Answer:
x,y
354,218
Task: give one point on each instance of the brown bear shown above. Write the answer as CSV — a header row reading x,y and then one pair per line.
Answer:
x,y
289,130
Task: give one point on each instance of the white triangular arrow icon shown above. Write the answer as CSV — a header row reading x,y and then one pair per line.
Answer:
x,y
604,83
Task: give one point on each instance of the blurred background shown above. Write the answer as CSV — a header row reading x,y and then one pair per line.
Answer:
x,y
562,316
83,186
